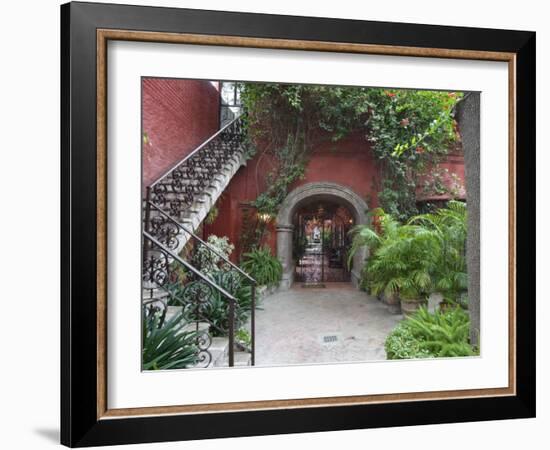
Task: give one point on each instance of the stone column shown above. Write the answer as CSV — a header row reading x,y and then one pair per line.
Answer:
x,y
358,264
284,253
469,122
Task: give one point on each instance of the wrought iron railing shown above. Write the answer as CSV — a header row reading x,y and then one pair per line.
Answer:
x,y
190,290
168,279
179,188
169,232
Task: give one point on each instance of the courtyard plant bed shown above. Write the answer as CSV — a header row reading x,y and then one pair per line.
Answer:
x,y
431,335
265,268
265,291
401,261
413,260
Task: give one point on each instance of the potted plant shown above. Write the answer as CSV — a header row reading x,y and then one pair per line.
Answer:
x,y
401,265
411,301
393,302
447,229
261,265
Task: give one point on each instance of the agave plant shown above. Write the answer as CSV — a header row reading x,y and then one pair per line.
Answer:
x,y
216,310
166,344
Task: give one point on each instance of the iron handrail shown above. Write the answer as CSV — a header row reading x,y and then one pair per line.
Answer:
x,y
212,284
189,266
194,152
212,249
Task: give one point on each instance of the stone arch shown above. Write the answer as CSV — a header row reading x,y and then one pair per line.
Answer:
x,y
311,192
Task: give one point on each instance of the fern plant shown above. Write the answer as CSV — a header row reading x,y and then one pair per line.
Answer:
x,y
443,333
425,334
263,266
165,343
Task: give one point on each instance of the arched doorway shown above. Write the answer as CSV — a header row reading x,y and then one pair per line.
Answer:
x,y
321,242
302,198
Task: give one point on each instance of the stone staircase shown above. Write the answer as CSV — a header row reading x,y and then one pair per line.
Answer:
x,y
188,192
220,356
175,206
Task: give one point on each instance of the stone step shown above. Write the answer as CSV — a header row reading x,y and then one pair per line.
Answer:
x,y
218,349
205,197
172,311
211,179
154,294
203,326
240,359
215,169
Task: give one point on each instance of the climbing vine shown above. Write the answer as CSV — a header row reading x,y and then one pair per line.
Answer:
x,y
409,131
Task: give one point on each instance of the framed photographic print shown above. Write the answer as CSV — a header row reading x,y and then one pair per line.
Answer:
x,y
277,224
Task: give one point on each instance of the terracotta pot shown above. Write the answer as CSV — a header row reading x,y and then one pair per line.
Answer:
x,y
393,302
410,306
446,306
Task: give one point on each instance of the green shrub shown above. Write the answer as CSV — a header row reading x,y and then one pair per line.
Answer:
x,y
425,255
262,266
401,344
207,261
425,335
243,337
216,310
402,257
447,227
165,344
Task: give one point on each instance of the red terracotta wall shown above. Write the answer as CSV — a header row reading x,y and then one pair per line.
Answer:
x,y
452,174
177,116
348,162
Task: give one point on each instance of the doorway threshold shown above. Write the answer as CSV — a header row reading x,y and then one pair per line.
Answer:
x,y
314,285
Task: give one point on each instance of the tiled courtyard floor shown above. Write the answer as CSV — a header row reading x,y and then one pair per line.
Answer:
x,y
321,325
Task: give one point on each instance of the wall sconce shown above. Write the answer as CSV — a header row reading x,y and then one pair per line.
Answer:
x,y
264,217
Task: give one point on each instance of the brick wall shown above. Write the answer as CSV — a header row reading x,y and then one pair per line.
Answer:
x,y
177,116
348,162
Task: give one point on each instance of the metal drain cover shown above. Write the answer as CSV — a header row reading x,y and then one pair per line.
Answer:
x,y
329,339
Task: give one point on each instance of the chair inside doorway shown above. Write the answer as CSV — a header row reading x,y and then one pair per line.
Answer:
x,y
321,243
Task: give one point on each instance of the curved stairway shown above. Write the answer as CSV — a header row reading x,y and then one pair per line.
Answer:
x,y
174,207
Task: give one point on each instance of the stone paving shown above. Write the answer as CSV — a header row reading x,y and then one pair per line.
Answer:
x,y
321,325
